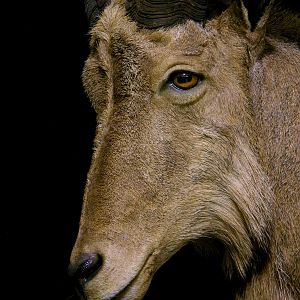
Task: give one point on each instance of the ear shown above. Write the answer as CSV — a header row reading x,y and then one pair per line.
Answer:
x,y
255,13
253,18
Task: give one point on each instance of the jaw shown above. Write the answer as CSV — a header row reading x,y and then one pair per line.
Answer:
x,y
185,275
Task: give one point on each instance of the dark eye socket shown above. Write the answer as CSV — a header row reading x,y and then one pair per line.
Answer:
x,y
184,80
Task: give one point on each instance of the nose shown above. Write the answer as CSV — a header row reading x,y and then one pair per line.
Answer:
x,y
86,267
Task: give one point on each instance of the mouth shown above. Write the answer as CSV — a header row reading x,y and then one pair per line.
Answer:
x,y
137,286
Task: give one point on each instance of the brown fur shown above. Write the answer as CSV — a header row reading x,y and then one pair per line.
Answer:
x,y
218,161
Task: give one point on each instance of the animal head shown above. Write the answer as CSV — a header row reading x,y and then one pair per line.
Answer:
x,y
175,148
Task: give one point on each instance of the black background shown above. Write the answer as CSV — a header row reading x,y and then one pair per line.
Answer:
x,y
47,130
48,125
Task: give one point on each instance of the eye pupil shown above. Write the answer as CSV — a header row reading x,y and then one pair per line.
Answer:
x,y
184,78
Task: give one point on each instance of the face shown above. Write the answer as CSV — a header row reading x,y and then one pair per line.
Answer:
x,y
173,151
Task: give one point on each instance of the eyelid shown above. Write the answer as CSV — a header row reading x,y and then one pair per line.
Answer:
x,y
177,68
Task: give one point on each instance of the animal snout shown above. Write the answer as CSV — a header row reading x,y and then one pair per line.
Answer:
x,y
86,267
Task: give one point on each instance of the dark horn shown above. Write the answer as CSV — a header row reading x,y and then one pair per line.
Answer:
x,y
94,8
163,13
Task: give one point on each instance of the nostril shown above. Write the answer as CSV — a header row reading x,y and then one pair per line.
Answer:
x,y
87,267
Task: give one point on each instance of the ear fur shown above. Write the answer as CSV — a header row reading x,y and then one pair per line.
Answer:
x,y
254,10
253,22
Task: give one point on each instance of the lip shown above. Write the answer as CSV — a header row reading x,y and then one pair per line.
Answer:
x,y
118,295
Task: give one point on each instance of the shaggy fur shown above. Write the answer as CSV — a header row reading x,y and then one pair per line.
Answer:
x,y
219,161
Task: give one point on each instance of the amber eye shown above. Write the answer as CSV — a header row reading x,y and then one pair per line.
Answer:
x,y
184,80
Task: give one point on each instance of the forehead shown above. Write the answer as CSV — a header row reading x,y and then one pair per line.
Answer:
x,y
115,28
